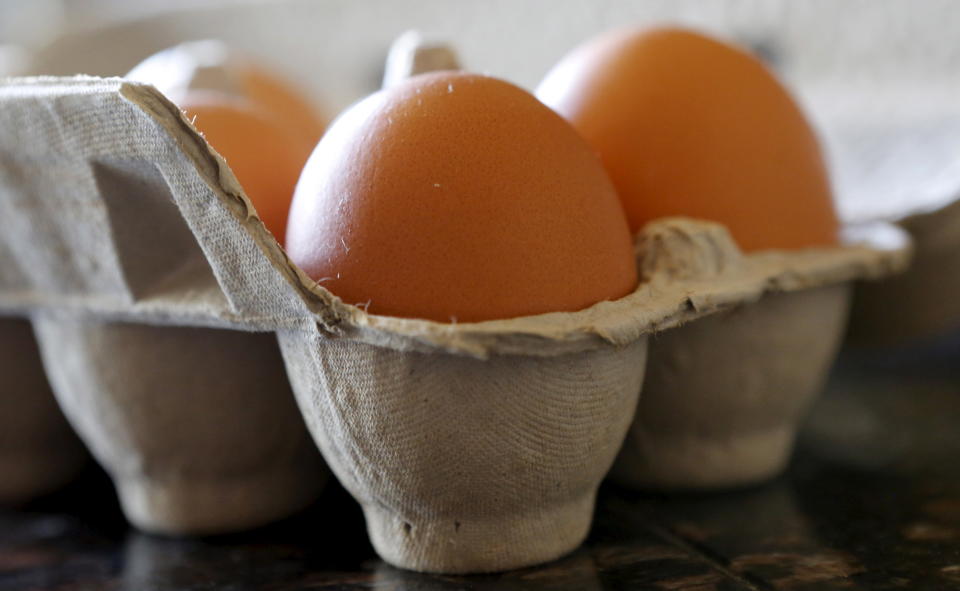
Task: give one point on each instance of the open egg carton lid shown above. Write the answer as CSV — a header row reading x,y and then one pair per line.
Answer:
x,y
114,206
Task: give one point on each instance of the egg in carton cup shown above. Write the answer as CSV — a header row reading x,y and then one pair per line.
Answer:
x,y
689,124
724,396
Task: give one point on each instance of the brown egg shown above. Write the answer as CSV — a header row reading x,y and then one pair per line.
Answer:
x,y
688,125
458,197
263,155
260,124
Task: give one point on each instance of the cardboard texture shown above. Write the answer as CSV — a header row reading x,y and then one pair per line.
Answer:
x,y
196,426
38,450
724,396
472,447
463,464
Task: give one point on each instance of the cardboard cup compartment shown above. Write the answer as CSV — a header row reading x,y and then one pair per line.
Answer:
x,y
196,426
465,464
725,395
38,450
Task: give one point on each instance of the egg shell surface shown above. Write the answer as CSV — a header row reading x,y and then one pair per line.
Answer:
x,y
689,125
457,198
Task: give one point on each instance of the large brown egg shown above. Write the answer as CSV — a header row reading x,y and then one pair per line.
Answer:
x,y
458,197
688,125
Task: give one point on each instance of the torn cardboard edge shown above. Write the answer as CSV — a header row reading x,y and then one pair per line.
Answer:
x,y
690,268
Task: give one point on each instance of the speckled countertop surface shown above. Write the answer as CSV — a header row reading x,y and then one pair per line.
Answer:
x,y
871,501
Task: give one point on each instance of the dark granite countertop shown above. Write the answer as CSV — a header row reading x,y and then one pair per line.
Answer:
x,y
871,501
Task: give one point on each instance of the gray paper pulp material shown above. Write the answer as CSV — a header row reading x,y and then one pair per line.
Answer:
x,y
125,227
38,450
196,426
462,464
724,396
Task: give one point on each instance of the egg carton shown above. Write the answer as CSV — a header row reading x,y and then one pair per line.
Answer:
x,y
155,293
